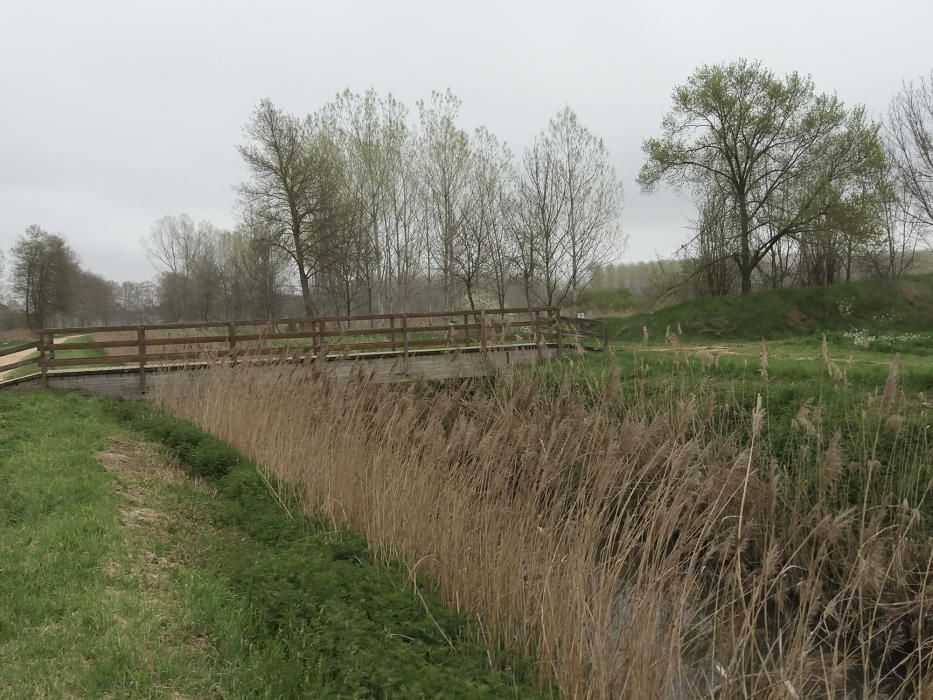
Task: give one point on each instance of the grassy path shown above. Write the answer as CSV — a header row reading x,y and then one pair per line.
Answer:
x,y
134,570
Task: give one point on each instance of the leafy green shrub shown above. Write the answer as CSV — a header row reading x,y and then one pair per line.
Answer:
x,y
202,455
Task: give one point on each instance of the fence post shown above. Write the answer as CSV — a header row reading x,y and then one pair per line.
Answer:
x,y
392,334
605,335
538,340
50,346
405,341
560,337
141,348
43,366
231,342
482,331
320,339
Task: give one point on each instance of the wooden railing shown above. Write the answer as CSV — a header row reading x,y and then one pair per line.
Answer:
x,y
31,347
302,339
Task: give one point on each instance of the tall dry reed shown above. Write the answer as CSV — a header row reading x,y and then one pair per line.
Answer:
x,y
630,555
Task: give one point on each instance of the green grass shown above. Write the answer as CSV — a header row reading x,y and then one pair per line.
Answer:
x,y
4,344
901,305
123,585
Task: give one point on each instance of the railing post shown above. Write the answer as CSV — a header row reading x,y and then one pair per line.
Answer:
x,y
560,338
605,335
538,339
321,325
466,331
392,334
141,349
405,341
43,361
231,342
482,331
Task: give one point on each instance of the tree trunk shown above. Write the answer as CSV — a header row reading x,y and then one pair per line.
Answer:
x,y
745,262
305,292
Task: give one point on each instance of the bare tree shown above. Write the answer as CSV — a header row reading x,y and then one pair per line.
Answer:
x,y
477,253
186,256
288,178
537,224
593,199
708,257
445,168
893,251
94,299
910,144
406,239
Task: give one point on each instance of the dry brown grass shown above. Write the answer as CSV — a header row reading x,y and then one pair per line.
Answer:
x,y
631,555
16,334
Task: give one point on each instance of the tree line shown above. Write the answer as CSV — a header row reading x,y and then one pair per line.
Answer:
x,y
367,206
48,285
379,211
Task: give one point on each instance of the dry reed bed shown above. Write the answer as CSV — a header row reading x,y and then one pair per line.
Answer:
x,y
630,555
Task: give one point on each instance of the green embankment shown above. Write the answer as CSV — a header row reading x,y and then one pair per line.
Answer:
x,y
131,570
900,305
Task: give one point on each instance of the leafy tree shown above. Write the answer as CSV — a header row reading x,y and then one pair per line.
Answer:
x,y
44,268
774,147
296,189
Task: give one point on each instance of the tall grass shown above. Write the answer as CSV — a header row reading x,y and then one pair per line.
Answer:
x,y
632,549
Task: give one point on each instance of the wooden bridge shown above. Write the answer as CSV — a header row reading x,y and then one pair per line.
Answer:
x,y
131,360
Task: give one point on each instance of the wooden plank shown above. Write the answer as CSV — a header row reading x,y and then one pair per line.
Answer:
x,y
97,344
71,330
190,340
81,361
19,348
141,349
20,363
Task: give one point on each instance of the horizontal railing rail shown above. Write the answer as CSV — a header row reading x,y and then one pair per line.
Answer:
x,y
306,338
28,347
13,349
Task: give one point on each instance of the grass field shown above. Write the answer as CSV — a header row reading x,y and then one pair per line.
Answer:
x,y
4,344
139,558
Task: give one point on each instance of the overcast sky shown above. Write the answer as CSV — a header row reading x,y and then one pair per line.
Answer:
x,y
113,114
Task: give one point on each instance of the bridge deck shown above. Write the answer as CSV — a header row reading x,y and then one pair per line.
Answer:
x,y
385,366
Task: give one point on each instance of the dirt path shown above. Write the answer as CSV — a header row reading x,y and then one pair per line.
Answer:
x,y
23,354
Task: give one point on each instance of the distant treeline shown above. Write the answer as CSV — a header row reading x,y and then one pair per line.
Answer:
x,y
363,206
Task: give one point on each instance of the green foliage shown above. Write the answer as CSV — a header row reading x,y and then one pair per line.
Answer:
x,y
784,157
905,305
